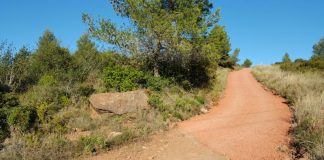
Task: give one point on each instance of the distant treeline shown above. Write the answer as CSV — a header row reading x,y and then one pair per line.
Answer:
x,y
315,63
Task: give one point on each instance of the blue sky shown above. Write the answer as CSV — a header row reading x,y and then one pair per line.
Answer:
x,y
263,29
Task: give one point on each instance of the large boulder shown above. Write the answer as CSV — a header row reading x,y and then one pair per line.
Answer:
x,y
119,103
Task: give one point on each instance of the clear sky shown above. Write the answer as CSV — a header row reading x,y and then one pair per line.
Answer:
x,y
263,29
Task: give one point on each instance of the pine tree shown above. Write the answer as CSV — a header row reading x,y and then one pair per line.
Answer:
x,y
286,58
318,48
86,58
247,63
50,57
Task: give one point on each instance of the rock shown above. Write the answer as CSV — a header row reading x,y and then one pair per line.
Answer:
x,y
114,134
119,103
77,130
203,110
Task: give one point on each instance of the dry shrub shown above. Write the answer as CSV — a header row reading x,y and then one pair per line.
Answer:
x,y
34,147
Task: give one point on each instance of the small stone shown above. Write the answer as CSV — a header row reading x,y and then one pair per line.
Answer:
x,y
115,134
203,110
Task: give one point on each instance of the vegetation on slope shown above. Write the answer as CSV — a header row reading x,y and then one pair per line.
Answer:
x,y
176,52
314,64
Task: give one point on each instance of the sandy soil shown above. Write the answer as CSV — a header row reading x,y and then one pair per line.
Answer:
x,y
248,123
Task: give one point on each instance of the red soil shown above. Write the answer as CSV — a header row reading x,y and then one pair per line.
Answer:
x,y
248,123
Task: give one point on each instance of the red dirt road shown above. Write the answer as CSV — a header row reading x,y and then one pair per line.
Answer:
x,y
248,123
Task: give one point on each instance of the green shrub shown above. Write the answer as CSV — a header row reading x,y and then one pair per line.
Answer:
x,y
247,63
22,118
200,99
47,80
65,101
59,121
122,78
156,83
155,101
86,90
181,104
8,100
314,64
186,107
186,85
92,143
4,127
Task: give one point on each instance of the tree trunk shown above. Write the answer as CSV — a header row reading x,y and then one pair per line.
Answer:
x,y
156,69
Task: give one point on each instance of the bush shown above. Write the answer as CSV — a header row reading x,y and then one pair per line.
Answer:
x,y
247,63
34,147
316,63
86,90
185,108
182,108
65,100
22,118
8,100
186,85
163,109
4,127
200,99
155,101
48,100
122,78
47,80
156,83
92,143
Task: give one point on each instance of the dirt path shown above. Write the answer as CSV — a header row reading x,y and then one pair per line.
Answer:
x,y
172,145
248,123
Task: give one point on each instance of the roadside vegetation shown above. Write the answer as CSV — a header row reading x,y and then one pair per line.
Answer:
x,y
175,51
301,83
314,64
247,63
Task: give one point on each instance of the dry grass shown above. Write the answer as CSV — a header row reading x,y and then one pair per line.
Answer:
x,y
305,93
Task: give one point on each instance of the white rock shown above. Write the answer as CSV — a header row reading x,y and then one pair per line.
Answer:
x,y
203,110
115,134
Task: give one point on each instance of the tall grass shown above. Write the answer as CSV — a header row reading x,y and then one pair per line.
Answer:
x,y
305,93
